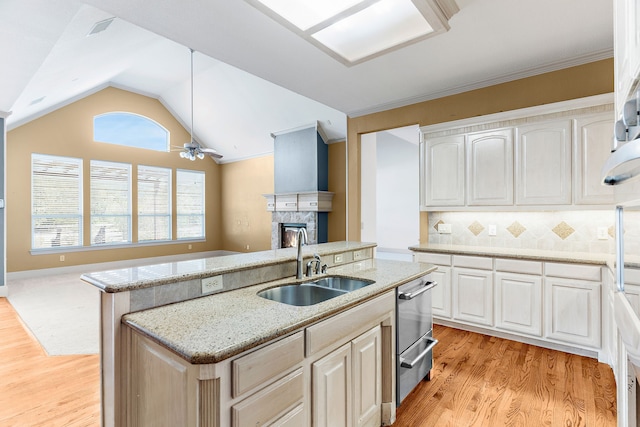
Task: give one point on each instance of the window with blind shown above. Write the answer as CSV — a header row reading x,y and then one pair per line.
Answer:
x,y
190,204
110,203
154,203
56,201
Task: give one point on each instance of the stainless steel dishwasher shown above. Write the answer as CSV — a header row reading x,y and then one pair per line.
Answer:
x,y
414,335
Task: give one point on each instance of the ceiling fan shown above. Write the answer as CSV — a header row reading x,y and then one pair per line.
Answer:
x,y
192,150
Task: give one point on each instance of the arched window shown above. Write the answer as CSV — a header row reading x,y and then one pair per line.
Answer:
x,y
130,130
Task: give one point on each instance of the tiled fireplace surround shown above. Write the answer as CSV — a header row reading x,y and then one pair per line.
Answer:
x,y
284,217
557,230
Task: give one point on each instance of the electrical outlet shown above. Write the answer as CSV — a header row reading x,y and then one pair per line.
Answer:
x,y
190,247
602,233
357,255
61,258
444,228
492,230
338,258
211,284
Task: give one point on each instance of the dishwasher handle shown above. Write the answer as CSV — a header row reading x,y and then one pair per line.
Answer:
x,y
414,362
412,295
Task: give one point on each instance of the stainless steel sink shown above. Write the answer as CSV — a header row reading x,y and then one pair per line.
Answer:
x,y
303,294
342,283
317,291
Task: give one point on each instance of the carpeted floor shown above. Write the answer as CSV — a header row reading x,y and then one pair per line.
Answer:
x,y
61,311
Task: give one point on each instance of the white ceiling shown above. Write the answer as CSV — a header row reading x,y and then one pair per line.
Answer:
x,y
286,82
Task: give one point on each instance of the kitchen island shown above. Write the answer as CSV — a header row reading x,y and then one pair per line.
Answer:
x,y
235,358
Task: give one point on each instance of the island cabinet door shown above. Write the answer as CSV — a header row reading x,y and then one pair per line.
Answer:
x,y
332,389
367,378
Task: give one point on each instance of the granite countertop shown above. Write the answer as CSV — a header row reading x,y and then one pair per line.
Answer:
x,y
518,253
126,279
213,328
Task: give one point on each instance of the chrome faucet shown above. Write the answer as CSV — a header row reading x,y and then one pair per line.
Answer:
x,y
316,259
301,239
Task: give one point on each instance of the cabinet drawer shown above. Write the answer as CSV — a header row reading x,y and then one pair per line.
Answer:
x,y
339,327
431,258
265,406
267,363
518,266
293,418
473,262
573,271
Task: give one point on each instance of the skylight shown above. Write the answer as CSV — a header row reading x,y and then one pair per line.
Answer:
x,y
354,31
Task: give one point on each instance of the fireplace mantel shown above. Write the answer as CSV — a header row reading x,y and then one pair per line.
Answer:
x,y
311,201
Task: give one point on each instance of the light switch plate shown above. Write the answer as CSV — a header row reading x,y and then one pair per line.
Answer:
x,y
492,230
602,233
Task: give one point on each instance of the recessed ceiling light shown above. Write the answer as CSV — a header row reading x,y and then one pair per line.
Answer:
x,y
100,26
354,31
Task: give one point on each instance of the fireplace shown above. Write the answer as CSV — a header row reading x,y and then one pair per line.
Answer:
x,y
289,234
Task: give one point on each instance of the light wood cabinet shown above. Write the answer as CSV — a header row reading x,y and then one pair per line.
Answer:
x,y
572,311
543,163
347,384
336,372
332,389
519,303
473,296
444,164
490,168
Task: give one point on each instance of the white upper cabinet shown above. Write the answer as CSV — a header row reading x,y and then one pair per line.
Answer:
x,y
444,179
627,49
544,157
543,163
593,147
490,165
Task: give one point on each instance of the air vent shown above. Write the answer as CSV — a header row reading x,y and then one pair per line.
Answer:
x,y
37,101
99,27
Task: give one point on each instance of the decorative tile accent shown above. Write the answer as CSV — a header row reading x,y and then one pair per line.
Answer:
x,y
435,226
563,230
516,229
476,228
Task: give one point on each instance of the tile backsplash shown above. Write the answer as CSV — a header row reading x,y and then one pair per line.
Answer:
x,y
575,231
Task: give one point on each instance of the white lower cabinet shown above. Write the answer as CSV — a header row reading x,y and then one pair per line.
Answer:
x,y
441,293
347,384
572,311
473,296
519,303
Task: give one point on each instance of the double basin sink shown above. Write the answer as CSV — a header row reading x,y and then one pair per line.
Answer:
x,y
314,292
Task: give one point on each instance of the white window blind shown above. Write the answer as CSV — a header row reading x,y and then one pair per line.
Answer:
x,y
154,203
110,202
56,201
190,204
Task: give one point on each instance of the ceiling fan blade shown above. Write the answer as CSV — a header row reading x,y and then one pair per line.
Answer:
x,y
214,155
208,150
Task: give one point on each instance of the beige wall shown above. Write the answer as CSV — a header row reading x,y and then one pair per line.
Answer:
x,y
338,185
68,131
246,223
576,82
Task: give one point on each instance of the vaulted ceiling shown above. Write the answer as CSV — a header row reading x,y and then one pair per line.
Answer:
x,y
254,76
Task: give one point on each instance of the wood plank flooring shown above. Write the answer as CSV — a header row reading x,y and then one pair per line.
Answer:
x,y
478,380
39,390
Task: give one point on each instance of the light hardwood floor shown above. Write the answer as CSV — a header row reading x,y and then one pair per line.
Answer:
x,y
41,390
480,380
477,381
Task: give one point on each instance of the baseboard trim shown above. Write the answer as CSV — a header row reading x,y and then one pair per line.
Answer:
x,y
4,291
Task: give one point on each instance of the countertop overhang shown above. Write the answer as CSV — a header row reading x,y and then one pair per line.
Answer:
x,y
145,276
213,328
